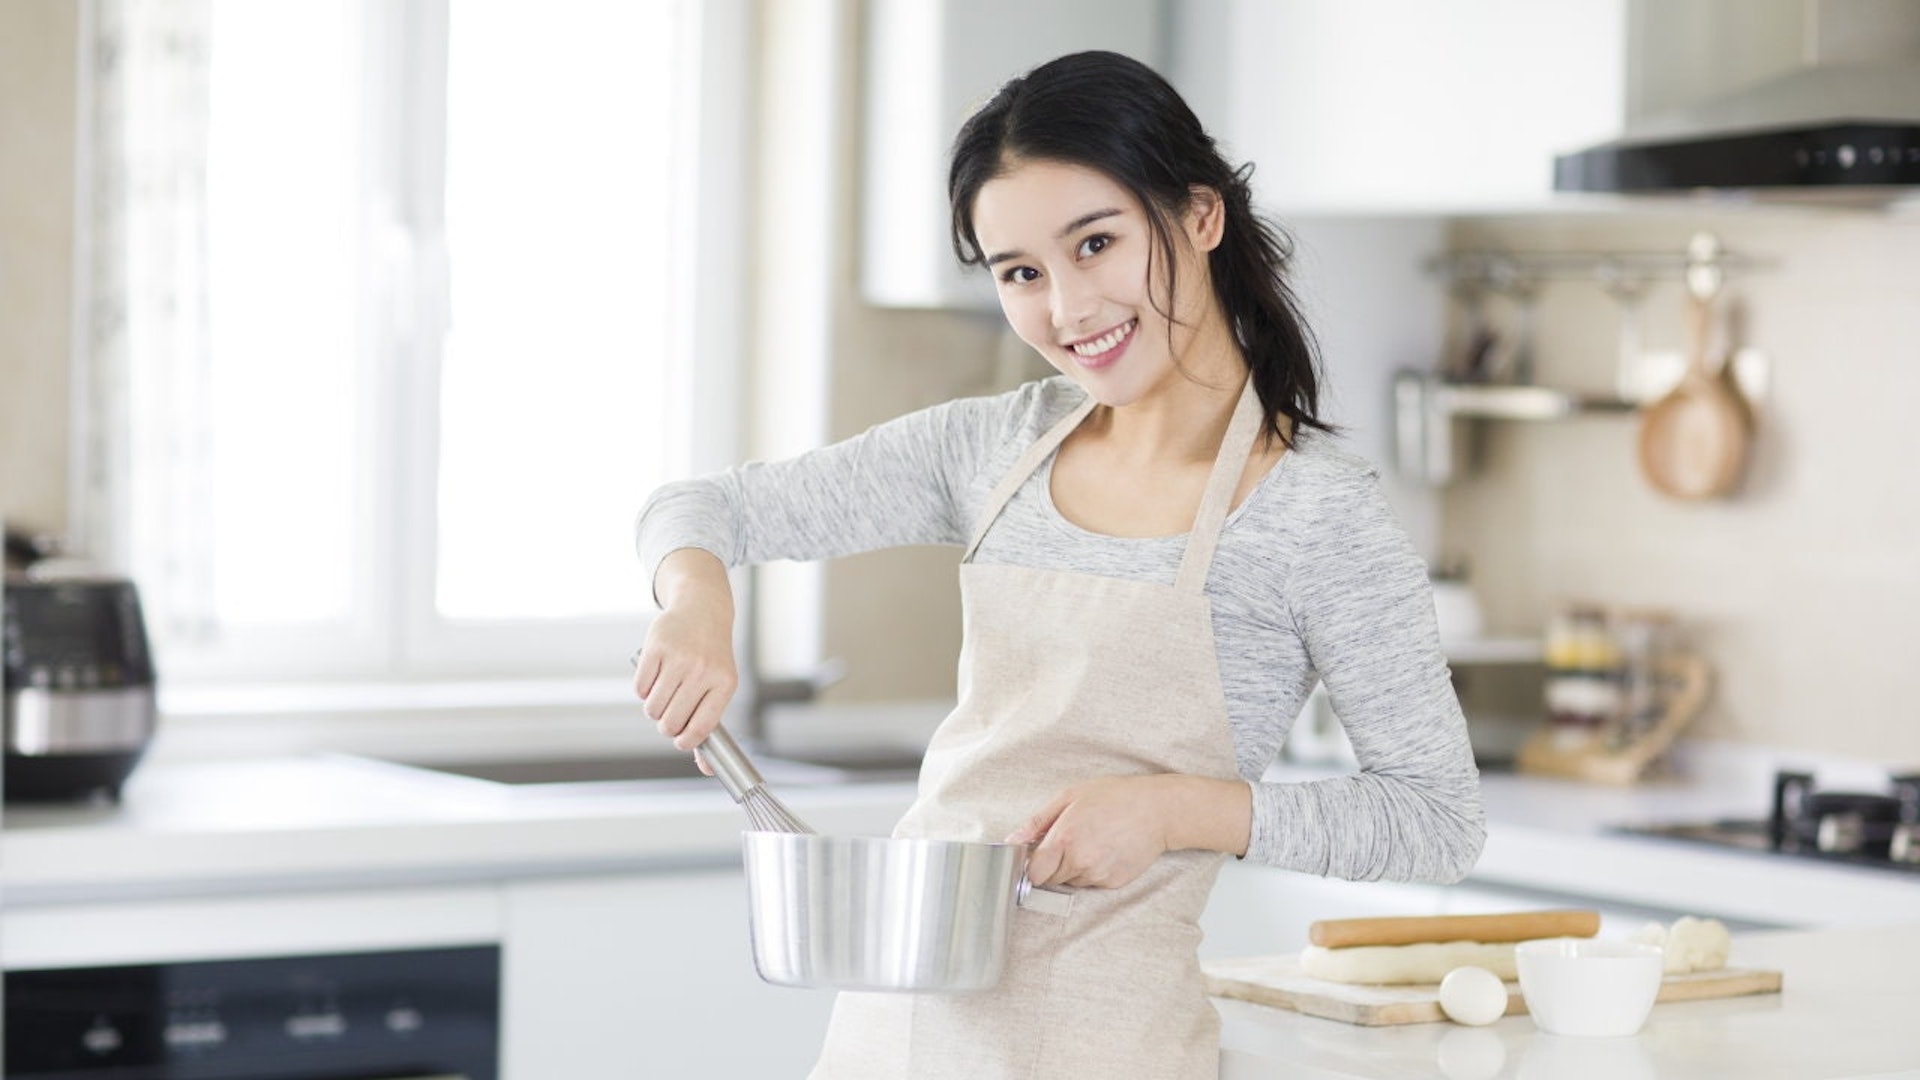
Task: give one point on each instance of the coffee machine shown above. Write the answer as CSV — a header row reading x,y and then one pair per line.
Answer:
x,y
79,688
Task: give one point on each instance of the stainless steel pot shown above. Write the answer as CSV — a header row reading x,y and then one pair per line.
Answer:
x,y
873,913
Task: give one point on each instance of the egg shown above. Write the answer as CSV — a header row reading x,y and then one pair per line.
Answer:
x,y
1473,995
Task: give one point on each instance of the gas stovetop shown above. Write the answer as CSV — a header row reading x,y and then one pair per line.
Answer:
x,y
1853,828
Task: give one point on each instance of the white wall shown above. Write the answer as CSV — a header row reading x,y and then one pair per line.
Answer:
x,y
37,56
1804,587
893,616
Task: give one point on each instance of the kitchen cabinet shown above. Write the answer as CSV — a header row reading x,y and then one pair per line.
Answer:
x,y
196,928
1403,106
928,64
603,976
618,976
622,916
334,981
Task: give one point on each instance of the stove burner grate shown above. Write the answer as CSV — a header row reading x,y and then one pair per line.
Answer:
x,y
1881,831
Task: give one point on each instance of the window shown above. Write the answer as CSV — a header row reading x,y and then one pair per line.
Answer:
x,y
462,302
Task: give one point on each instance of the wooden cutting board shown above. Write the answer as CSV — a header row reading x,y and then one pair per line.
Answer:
x,y
1278,981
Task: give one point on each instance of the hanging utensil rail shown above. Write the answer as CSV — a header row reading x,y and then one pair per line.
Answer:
x,y
1426,403
1506,271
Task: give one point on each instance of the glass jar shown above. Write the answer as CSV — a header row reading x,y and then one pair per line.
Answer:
x,y
1583,667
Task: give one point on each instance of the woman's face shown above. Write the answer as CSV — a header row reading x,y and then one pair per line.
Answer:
x,y
1081,278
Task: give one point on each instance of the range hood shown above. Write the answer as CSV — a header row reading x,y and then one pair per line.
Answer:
x,y
1845,115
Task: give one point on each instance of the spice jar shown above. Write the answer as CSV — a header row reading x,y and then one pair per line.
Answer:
x,y
1583,669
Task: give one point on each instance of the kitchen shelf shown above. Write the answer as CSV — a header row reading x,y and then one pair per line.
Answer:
x,y
1425,406
928,65
1509,402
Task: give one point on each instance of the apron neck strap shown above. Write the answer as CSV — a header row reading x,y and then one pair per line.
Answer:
x,y
1023,468
1228,466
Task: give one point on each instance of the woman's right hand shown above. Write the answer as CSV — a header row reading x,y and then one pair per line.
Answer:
x,y
685,671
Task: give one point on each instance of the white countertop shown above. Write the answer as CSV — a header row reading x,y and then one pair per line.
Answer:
x,y
1846,1009
1555,836
291,821
296,822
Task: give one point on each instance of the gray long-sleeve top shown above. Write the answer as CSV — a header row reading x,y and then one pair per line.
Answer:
x,y
1313,579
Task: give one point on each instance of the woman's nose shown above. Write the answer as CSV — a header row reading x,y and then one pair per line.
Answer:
x,y
1073,301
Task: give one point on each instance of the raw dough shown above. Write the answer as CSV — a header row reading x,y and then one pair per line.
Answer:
x,y
1690,944
1426,962
1652,933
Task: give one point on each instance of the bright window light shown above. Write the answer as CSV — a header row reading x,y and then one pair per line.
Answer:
x,y
283,296
553,405
451,314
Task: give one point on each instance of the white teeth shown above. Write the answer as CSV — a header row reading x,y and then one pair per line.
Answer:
x,y
1104,342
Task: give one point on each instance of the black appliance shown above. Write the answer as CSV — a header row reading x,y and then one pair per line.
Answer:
x,y
1818,101
1873,829
79,686
400,1015
1851,153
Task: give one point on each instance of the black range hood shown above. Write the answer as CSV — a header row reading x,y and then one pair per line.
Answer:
x,y
1835,107
1844,153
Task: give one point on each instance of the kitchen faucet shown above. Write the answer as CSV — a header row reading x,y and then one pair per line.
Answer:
x,y
763,692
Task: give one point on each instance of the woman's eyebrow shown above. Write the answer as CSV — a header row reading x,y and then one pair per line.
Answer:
x,y
1071,227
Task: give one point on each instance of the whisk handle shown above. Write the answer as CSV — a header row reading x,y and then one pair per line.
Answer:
x,y
730,764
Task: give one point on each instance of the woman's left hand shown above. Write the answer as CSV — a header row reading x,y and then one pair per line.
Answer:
x,y
1101,833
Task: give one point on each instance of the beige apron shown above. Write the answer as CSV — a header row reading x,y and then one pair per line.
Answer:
x,y
1064,678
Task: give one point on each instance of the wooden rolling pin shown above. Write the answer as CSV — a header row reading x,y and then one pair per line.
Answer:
x,y
1414,929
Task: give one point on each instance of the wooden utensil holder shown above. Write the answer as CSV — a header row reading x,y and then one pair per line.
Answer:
x,y
1597,756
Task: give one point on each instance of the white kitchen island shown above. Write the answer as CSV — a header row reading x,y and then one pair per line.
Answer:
x,y
620,909
1847,1009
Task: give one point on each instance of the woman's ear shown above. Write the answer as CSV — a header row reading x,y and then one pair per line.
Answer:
x,y
1206,218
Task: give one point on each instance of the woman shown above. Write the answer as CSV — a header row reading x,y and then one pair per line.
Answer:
x,y
1164,549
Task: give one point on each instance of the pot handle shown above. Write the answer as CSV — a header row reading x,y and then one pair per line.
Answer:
x,y
1040,899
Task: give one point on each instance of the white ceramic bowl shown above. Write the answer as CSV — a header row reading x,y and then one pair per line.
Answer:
x,y
1585,986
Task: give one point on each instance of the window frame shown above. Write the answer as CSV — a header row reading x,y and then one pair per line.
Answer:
x,y
394,633
709,138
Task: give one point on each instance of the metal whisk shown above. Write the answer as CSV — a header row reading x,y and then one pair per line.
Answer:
x,y
742,781
736,773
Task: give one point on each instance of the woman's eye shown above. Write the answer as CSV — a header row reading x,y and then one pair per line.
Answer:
x,y
1019,275
1094,245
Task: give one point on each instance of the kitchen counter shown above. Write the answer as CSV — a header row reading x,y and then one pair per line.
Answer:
x,y
330,820
326,851
189,827
1846,1009
1557,836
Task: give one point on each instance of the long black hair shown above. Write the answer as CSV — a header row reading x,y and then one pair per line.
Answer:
x,y
1112,113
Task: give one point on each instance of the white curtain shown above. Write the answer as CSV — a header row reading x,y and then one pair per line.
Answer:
x,y
146,375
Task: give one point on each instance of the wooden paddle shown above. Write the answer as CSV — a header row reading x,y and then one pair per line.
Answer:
x,y
1693,441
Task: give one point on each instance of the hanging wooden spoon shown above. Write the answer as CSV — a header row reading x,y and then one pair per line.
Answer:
x,y
1693,441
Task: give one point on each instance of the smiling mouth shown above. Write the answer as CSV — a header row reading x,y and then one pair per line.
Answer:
x,y
1095,348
